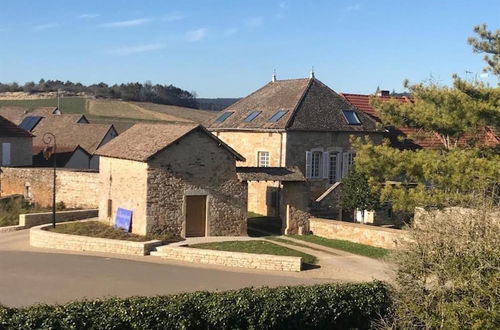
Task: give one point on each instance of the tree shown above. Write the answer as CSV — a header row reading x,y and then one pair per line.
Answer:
x,y
356,193
488,43
448,271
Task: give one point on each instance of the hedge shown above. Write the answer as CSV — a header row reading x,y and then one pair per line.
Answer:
x,y
327,306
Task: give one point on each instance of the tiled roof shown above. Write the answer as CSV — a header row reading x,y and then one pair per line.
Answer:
x,y
419,138
17,114
269,174
308,104
9,129
67,133
142,141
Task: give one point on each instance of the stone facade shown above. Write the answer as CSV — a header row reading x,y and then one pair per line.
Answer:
x,y
230,259
156,190
358,233
45,239
77,189
20,151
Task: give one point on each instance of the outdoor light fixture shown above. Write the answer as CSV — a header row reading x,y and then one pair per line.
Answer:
x,y
50,150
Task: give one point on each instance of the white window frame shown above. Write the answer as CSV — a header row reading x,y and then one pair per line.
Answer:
x,y
263,159
334,166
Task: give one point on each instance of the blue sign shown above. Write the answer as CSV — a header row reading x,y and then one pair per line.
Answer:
x,y
123,219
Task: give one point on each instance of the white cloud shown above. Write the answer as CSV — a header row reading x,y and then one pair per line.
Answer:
x,y
42,27
355,7
196,35
174,17
88,16
254,22
128,50
231,31
128,23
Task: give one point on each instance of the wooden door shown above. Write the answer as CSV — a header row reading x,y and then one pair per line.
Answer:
x,y
196,215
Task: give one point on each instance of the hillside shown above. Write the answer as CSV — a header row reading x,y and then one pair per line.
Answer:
x,y
120,113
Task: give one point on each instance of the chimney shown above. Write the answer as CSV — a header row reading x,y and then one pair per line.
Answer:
x,y
383,93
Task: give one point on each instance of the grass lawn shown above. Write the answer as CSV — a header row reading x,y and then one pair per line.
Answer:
x,y
68,104
356,248
258,247
99,229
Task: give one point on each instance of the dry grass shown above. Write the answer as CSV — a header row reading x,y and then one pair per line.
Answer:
x,y
186,114
99,229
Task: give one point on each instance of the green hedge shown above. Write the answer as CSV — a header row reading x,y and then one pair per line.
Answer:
x,y
329,306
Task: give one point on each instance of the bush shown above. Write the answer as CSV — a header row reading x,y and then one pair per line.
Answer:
x,y
328,306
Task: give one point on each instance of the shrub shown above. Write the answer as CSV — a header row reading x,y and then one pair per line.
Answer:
x,y
328,306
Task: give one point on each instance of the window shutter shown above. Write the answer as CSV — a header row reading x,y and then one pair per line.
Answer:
x,y
338,174
345,164
326,164
308,164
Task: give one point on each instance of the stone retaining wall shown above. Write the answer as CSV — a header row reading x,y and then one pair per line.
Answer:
x,y
46,239
34,219
358,233
230,259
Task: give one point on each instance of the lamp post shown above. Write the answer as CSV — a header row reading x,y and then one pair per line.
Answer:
x,y
50,150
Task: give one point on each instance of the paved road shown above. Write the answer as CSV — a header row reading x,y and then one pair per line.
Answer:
x,y
31,275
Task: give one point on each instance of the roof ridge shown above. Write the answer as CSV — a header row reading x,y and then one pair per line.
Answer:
x,y
299,103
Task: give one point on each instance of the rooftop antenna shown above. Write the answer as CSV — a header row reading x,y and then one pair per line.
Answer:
x,y
58,111
312,73
274,75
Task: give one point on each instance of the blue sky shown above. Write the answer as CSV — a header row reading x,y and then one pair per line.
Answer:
x,y
230,48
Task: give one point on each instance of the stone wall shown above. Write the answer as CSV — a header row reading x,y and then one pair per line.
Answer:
x,y
45,239
76,188
358,233
295,207
230,259
34,219
197,165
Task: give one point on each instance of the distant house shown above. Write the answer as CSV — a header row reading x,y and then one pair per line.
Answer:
x,y
175,179
413,138
298,123
76,143
15,144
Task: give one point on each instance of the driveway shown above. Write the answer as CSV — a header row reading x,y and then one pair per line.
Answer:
x,y
32,275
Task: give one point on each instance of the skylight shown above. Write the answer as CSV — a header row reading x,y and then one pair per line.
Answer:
x,y
223,117
251,116
277,116
351,117
30,122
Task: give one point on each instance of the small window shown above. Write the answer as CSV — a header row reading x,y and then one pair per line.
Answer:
x,y
351,117
332,167
316,164
223,117
277,116
263,158
252,116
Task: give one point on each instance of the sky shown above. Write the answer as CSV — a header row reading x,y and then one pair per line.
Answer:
x,y
230,48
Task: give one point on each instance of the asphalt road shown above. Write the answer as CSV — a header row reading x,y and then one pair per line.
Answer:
x,y
31,275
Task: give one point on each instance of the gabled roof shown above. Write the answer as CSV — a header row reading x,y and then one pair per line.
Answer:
x,y
9,129
142,141
68,133
308,104
17,114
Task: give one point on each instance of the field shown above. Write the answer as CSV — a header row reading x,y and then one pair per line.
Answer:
x,y
120,113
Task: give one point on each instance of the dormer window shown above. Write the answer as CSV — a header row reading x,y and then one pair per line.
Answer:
x,y
223,117
277,116
251,116
351,117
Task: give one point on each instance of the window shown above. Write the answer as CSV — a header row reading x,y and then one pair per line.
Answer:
x,y
332,167
316,164
351,117
223,117
347,162
251,116
6,154
277,116
263,158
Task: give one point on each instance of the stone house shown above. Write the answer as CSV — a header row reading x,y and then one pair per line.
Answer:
x,y
176,179
15,144
294,123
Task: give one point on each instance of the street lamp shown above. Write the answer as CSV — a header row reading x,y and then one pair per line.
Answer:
x,y
50,150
